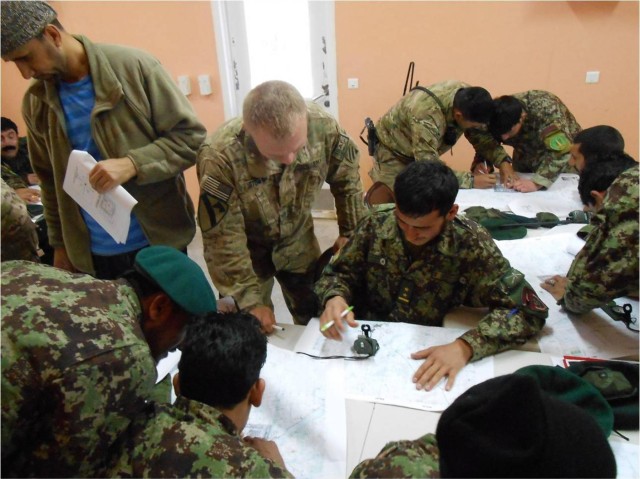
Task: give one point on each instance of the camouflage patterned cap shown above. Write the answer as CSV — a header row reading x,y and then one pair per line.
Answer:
x,y
23,21
178,276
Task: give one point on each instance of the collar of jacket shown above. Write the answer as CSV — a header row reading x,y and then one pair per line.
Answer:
x,y
108,89
209,414
445,243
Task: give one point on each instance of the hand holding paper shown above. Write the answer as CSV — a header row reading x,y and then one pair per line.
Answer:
x,y
112,210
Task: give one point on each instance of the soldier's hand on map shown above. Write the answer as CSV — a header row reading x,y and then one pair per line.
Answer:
x,y
507,174
482,182
440,361
266,317
334,316
108,174
525,186
556,285
267,449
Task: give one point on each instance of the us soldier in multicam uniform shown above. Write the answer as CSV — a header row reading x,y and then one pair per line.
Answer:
x,y
539,127
258,176
19,236
218,384
415,262
421,127
607,266
78,357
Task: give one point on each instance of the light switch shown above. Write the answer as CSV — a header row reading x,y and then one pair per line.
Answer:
x,y
592,77
204,82
352,83
184,83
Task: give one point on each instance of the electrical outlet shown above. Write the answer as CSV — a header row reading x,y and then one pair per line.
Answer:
x,y
204,82
592,77
352,83
184,83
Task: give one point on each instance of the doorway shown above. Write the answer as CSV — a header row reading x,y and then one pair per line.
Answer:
x,y
290,40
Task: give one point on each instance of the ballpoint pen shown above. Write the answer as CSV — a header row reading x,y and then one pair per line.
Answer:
x,y
328,325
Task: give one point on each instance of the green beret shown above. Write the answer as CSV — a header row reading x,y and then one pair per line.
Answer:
x,y
179,277
569,387
22,22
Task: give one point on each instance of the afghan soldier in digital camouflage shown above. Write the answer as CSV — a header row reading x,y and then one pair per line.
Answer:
x,y
255,207
218,384
189,439
65,398
419,458
540,146
376,273
607,266
415,129
19,235
413,263
78,357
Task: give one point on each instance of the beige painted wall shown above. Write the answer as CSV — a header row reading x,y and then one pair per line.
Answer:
x,y
504,46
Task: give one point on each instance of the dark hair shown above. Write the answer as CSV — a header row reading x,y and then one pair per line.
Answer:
x,y
475,104
222,356
8,125
425,186
601,172
507,112
598,140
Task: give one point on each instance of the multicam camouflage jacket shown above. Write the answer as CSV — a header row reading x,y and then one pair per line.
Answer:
x,y
75,368
461,266
542,145
415,125
607,266
19,236
419,458
250,205
189,439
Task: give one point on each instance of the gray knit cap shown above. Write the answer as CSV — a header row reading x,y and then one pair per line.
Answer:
x,y
23,21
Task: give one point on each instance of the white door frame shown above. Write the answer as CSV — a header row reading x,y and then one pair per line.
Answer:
x,y
233,55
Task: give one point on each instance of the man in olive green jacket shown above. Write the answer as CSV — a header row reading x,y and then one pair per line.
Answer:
x,y
129,115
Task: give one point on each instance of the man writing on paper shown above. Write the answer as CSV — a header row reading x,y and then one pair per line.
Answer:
x,y
200,435
416,261
607,266
121,106
426,123
540,129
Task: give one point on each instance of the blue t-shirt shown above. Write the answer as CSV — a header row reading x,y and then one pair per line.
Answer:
x,y
77,101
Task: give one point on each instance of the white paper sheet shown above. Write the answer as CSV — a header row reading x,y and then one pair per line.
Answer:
x,y
303,411
386,377
111,210
561,198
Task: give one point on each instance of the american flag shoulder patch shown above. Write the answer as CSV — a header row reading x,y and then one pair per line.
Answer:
x,y
217,189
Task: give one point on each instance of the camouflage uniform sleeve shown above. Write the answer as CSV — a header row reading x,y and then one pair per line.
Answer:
x,y
19,235
12,178
516,312
419,458
43,167
344,180
485,146
425,136
607,266
223,235
554,159
465,179
343,275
